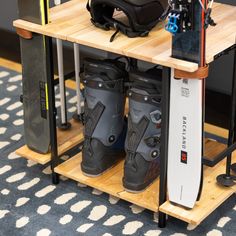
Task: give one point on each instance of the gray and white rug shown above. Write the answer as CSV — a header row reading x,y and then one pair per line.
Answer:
x,y
30,205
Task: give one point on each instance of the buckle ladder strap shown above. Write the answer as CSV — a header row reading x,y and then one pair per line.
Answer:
x,y
135,134
92,116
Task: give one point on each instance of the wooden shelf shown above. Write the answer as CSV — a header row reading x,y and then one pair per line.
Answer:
x,y
212,196
110,182
71,21
66,140
212,147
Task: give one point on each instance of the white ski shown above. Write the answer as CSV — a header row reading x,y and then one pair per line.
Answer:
x,y
185,141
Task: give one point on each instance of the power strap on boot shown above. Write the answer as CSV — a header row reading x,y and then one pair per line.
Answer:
x,y
135,135
92,117
201,73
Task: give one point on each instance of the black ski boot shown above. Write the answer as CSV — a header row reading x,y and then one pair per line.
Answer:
x,y
105,127
142,143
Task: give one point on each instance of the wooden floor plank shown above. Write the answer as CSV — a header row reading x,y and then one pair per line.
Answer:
x,y
66,140
212,196
110,182
10,65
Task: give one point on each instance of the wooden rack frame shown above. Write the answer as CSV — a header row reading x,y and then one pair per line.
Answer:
x,y
71,22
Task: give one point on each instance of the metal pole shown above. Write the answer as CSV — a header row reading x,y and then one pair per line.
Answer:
x,y
61,80
51,103
64,124
164,142
233,166
78,115
227,179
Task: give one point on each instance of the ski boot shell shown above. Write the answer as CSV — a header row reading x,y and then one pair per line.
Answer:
x,y
142,143
105,127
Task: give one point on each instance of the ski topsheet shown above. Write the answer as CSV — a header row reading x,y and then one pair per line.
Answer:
x,y
34,70
186,120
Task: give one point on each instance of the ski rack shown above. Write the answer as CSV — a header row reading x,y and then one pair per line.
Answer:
x,y
71,22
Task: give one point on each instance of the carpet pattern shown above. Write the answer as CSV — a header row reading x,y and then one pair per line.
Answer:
x,y
31,205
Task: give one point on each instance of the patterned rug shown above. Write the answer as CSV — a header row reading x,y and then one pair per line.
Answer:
x,y
31,205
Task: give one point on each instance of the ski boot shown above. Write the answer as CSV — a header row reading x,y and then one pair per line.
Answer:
x,y
142,143
105,127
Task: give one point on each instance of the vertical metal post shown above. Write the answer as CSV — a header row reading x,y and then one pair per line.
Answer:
x,y
78,116
64,125
233,166
51,102
61,81
227,179
166,76
232,128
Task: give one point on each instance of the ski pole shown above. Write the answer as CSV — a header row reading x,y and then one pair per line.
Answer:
x,y
64,124
78,115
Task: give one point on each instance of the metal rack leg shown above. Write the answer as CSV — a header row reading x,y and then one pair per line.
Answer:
x,y
233,166
164,141
52,111
78,116
64,124
227,179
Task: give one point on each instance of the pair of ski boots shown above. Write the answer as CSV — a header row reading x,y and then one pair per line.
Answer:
x,y
108,137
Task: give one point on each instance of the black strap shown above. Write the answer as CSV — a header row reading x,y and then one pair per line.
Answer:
x,y
152,141
113,85
92,116
155,99
88,6
136,133
120,27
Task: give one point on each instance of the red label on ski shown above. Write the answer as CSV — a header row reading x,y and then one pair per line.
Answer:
x,y
184,157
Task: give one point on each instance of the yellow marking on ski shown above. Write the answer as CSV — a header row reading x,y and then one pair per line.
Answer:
x,y
42,10
46,91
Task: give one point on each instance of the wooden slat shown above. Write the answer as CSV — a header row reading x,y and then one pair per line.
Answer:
x,y
212,148
212,196
66,140
25,152
71,21
110,182
216,130
10,65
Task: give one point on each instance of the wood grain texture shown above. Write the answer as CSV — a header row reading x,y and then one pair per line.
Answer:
x,y
212,196
10,65
66,140
216,130
71,21
111,183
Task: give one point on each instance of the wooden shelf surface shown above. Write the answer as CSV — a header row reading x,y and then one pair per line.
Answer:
x,y
111,182
66,140
212,196
212,147
71,21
